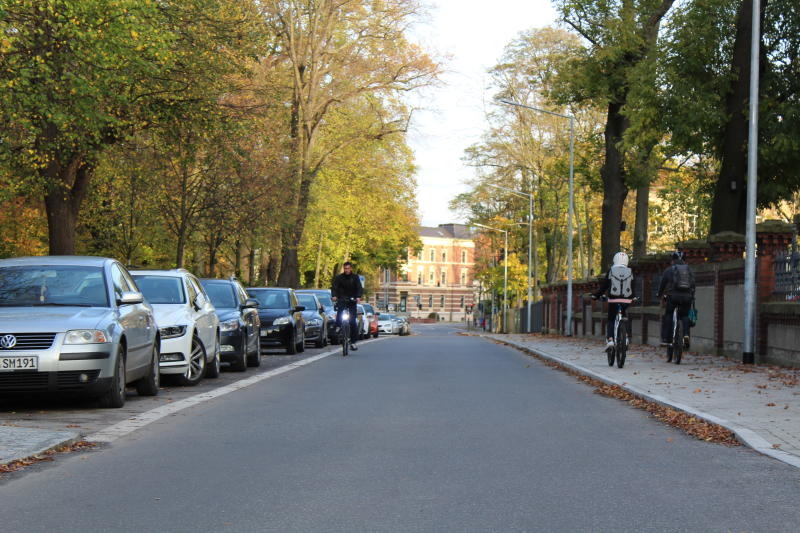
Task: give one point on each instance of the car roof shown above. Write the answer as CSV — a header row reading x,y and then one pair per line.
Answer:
x,y
326,291
269,288
57,260
173,272
217,280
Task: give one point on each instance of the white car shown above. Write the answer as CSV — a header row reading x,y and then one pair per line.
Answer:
x,y
387,324
187,322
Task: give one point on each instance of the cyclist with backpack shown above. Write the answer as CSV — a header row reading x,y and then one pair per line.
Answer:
x,y
618,286
677,290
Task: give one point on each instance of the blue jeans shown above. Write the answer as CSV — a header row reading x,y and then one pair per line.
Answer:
x,y
353,310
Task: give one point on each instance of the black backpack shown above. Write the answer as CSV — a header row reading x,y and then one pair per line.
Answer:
x,y
681,278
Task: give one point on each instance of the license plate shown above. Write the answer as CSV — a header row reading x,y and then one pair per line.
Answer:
x,y
19,362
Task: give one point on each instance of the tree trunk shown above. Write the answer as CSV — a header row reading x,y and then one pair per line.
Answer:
x,y
614,189
67,189
251,266
730,193
212,261
181,247
319,261
589,234
237,269
641,224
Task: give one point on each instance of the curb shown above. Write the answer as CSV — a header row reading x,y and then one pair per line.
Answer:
x,y
748,437
51,445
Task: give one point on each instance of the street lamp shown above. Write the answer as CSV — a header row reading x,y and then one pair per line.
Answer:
x,y
748,344
530,243
571,119
505,272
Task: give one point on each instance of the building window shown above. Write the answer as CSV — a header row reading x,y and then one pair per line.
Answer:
x,y
431,277
433,255
419,277
463,277
444,278
463,256
444,257
462,302
441,302
430,301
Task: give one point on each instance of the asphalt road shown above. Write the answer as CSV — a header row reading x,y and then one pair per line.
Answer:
x,y
435,432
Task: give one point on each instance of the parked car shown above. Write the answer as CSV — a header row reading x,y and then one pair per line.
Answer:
x,y
75,325
239,324
370,321
187,323
363,325
387,324
403,325
281,318
324,297
316,327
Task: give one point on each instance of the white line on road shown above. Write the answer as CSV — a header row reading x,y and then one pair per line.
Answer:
x,y
127,427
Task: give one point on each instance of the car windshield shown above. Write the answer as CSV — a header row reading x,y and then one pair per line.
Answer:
x,y
271,299
33,285
221,295
307,301
161,289
324,298
384,316
368,308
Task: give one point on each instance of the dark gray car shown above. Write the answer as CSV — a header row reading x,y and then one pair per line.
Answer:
x,y
75,325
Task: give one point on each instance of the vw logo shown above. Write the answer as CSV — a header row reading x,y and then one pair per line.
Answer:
x,y
8,341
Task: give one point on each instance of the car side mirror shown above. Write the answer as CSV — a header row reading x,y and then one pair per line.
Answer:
x,y
130,298
250,303
299,309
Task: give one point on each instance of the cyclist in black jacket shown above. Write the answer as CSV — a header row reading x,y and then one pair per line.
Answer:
x,y
347,286
677,289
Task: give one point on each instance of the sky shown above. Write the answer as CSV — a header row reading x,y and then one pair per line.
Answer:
x,y
472,33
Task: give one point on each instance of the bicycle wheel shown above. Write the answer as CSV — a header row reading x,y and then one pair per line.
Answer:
x,y
345,339
622,344
677,342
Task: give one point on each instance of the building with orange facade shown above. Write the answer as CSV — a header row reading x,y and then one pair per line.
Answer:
x,y
439,279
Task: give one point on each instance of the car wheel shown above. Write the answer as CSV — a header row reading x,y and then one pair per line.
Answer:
x,y
254,360
301,347
375,335
115,396
197,365
323,336
148,386
213,369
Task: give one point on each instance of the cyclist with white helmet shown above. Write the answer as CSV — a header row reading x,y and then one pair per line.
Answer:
x,y
618,286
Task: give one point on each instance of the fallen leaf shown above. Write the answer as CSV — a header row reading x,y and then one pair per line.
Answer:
x,y
770,404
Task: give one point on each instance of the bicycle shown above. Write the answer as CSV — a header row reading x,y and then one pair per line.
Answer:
x,y
344,323
675,349
620,338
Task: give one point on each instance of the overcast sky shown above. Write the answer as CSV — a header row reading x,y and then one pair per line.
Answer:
x,y
473,33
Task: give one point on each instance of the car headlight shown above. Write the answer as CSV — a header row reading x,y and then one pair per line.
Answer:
x,y
85,336
229,325
172,332
281,320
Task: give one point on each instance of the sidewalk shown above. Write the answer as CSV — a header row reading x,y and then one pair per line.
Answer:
x,y
758,403
22,442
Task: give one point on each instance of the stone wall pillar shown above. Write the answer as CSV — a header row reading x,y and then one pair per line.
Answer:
x,y
772,237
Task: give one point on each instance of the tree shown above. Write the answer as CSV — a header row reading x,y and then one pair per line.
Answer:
x,y
340,51
622,35
77,76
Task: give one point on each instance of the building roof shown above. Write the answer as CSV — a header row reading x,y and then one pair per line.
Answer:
x,y
446,231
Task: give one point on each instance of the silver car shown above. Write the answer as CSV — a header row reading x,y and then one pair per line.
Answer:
x,y
75,325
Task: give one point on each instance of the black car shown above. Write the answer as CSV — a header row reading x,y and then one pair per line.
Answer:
x,y
281,317
239,324
314,318
324,297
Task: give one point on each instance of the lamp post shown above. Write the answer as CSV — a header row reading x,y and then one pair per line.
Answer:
x,y
530,244
571,119
748,344
505,272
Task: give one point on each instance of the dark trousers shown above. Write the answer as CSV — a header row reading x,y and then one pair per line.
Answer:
x,y
681,302
353,310
612,317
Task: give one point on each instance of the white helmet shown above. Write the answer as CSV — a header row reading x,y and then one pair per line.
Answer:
x,y
621,258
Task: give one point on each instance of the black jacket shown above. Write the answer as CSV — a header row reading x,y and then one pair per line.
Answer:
x,y
347,286
665,288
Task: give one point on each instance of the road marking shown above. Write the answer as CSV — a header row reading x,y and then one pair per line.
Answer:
x,y
126,427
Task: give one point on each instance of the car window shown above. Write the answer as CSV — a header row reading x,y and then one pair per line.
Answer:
x,y
23,286
324,298
161,289
307,300
192,291
222,294
242,293
198,289
270,299
129,280
369,309
384,316
118,281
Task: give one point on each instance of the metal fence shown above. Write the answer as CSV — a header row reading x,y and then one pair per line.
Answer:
x,y
787,276
537,318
